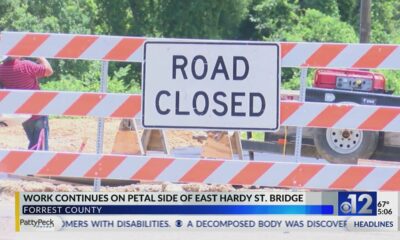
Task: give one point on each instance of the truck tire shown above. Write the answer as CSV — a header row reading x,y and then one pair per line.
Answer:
x,y
344,145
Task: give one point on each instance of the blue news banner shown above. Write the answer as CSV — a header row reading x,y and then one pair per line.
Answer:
x,y
282,211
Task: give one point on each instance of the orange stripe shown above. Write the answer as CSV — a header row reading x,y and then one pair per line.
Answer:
x,y
105,166
76,46
13,160
152,168
3,94
351,177
380,118
286,47
58,164
27,45
84,104
301,175
124,49
36,102
329,116
250,173
324,55
200,171
288,108
129,108
393,184
375,56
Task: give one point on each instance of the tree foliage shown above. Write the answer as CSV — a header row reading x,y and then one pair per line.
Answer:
x,y
385,21
272,20
328,29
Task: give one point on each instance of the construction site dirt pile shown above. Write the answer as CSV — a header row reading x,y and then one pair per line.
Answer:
x,y
68,134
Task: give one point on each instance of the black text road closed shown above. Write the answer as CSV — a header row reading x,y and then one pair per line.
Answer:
x,y
211,85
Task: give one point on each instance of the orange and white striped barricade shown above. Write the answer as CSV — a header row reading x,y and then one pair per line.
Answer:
x,y
181,170
117,105
274,174
114,48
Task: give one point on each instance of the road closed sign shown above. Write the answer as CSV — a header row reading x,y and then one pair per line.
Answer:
x,y
211,85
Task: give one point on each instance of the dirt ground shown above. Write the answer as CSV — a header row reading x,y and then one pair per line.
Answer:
x,y
67,134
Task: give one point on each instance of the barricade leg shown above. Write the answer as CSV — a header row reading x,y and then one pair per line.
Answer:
x,y
155,140
127,140
221,145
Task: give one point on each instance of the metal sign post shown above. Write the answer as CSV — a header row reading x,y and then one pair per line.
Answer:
x,y
100,123
299,130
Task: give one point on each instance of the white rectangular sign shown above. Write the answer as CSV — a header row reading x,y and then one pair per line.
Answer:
x,y
211,85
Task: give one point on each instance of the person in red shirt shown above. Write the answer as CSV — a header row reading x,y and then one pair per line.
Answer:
x,y
16,73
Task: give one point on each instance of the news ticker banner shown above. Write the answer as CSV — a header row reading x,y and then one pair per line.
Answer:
x,y
286,211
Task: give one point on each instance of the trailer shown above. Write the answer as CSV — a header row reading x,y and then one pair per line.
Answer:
x,y
338,145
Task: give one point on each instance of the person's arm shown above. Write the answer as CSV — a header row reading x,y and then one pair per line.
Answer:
x,y
49,70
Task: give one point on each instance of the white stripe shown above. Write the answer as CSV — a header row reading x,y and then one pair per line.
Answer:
x,y
100,48
108,105
305,114
128,167
60,103
52,45
81,165
392,61
299,54
14,100
275,174
8,40
35,162
226,171
355,117
326,176
176,170
350,55
3,154
376,178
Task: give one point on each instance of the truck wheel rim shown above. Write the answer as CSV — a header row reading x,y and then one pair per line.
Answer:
x,y
344,141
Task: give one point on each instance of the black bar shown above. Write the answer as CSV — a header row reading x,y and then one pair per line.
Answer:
x,y
320,95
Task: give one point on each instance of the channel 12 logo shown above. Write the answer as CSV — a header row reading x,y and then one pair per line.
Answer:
x,y
357,203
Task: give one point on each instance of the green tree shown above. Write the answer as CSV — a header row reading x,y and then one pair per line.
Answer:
x,y
349,12
115,17
272,18
189,19
385,20
315,26
327,7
